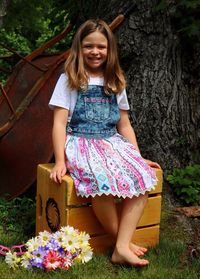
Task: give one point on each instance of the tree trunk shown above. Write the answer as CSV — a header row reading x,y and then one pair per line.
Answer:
x,y
162,90
3,9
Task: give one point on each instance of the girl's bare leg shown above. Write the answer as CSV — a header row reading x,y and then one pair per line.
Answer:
x,y
105,209
130,216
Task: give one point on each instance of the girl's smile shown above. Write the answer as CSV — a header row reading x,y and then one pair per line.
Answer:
x,y
94,51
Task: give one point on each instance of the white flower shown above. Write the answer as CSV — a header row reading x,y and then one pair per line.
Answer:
x,y
44,237
33,244
12,260
68,230
70,242
58,236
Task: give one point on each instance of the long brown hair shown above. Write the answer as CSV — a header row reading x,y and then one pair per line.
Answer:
x,y
114,79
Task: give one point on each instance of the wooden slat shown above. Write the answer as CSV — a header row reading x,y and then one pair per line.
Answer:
x,y
158,186
47,189
152,212
73,199
151,215
101,243
83,218
147,237
40,199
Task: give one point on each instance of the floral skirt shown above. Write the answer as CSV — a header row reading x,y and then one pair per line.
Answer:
x,y
107,166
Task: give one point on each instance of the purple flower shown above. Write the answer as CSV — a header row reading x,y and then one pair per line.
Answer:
x,y
53,245
38,255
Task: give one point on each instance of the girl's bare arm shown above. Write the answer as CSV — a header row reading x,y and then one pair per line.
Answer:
x,y
59,138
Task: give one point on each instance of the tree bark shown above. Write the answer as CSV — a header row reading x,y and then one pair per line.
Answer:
x,y
163,85
3,9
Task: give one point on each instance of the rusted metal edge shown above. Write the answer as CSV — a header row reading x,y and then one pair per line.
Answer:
x,y
7,98
31,95
36,53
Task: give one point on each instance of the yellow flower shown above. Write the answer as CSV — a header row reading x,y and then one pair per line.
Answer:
x,y
25,259
86,254
83,239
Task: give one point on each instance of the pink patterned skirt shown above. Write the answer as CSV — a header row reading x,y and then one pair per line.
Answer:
x,y
107,166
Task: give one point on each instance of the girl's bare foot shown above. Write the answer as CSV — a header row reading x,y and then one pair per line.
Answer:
x,y
126,256
137,250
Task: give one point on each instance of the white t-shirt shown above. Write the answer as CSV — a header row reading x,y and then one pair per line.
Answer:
x,y
66,98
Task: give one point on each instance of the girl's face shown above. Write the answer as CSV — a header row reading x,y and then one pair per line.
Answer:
x,y
94,51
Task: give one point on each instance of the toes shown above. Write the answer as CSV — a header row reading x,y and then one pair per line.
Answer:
x,y
138,253
129,258
143,249
137,250
144,263
141,263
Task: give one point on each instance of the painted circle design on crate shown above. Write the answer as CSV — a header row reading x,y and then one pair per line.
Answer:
x,y
52,215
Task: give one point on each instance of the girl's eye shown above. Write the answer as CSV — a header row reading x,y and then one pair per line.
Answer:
x,y
91,46
87,46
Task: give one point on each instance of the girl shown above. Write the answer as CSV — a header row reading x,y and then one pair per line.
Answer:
x,y
99,146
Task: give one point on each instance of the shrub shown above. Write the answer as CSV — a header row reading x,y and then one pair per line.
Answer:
x,y
185,184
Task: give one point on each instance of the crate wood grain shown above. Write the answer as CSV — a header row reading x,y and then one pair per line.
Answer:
x,y
58,205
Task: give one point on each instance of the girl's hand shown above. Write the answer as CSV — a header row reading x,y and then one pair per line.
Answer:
x,y
58,171
152,164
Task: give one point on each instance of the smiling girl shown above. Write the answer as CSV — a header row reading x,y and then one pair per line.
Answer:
x,y
94,140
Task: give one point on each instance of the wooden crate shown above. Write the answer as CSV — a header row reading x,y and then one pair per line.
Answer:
x,y
58,205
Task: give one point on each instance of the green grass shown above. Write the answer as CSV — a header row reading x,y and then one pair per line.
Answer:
x,y
168,260
171,259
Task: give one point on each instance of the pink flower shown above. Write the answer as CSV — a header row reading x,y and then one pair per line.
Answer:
x,y
67,262
52,260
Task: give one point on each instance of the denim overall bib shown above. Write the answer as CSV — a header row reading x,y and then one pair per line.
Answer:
x,y
95,114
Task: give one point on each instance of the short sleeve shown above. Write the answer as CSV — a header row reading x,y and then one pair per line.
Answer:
x,y
61,94
122,100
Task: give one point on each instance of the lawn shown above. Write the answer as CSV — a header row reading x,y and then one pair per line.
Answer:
x,y
171,259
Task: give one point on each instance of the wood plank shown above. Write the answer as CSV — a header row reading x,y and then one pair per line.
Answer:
x,y
73,199
151,215
147,237
84,219
101,243
152,211
39,200
53,201
158,186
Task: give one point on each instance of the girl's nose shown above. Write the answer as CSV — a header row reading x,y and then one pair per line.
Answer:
x,y
94,50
